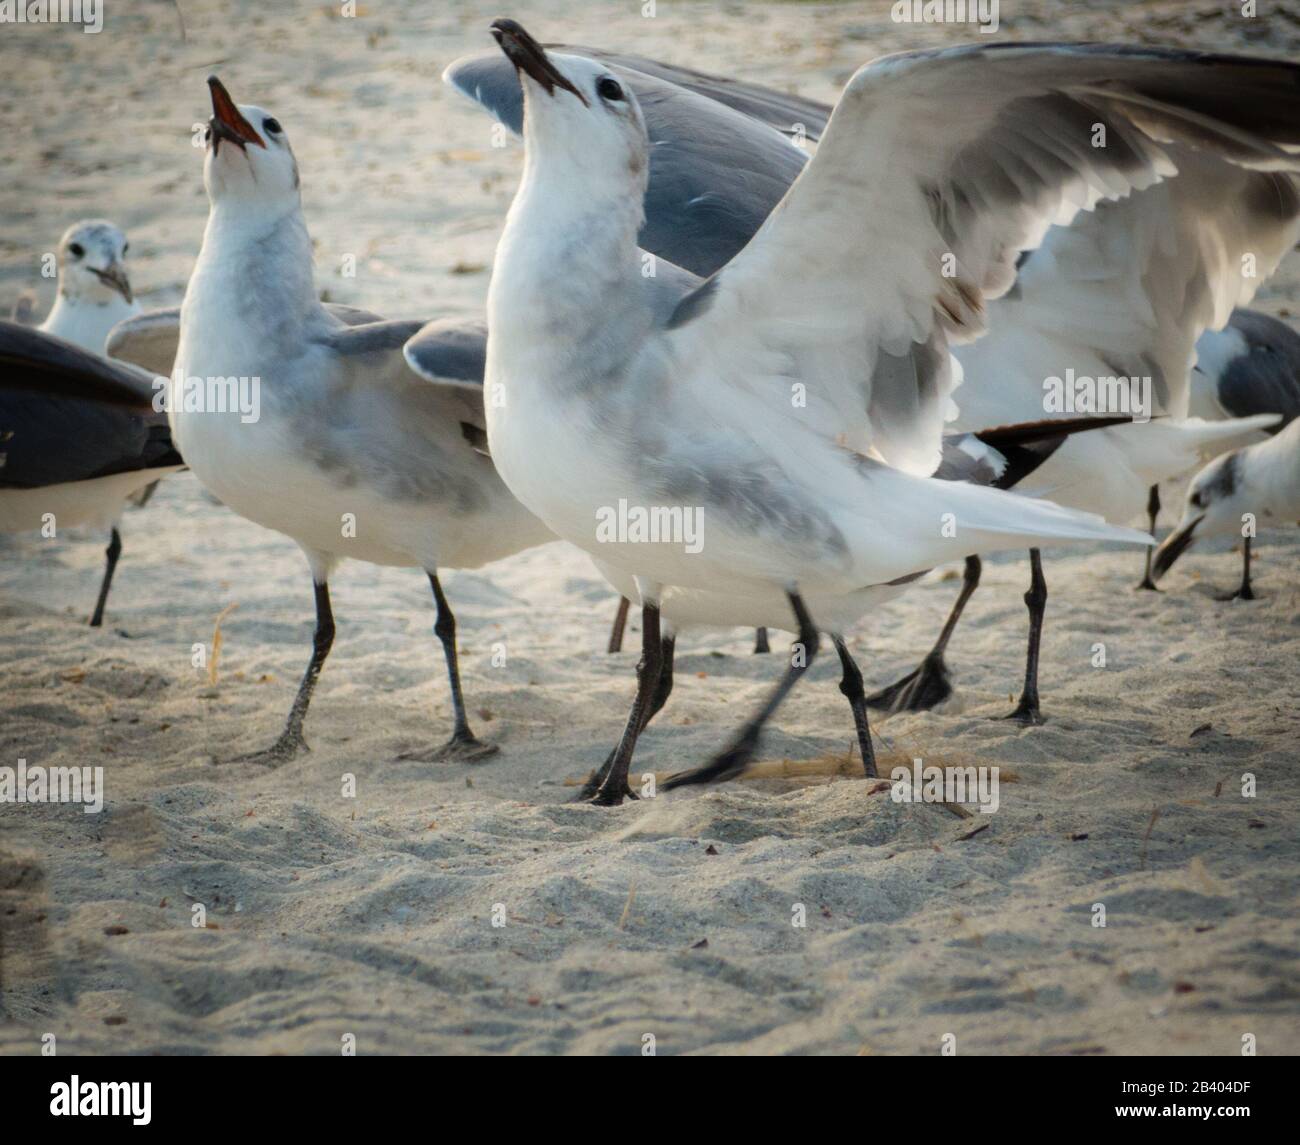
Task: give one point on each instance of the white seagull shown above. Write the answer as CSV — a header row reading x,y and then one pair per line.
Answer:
x,y
351,454
1122,290
796,400
94,291
1236,494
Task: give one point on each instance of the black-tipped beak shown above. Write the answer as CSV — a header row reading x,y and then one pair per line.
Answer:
x,y
1173,547
114,277
530,57
226,122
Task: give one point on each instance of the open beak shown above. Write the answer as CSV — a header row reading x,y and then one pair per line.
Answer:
x,y
226,122
530,57
114,277
1173,547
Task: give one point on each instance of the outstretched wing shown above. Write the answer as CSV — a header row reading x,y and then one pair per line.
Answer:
x,y
1127,290
936,171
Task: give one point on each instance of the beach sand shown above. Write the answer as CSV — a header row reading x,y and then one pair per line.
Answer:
x,y
374,915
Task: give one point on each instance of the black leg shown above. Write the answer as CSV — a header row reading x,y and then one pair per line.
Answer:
x,y
761,646
613,787
463,745
1153,511
928,683
851,687
1027,711
111,554
665,689
620,623
291,740
1245,592
734,759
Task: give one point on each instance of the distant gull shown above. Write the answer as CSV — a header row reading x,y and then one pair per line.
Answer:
x,y
1255,487
841,301
78,437
352,454
94,292
1251,366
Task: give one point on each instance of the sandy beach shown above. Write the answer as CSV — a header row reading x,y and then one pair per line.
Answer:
x,y
472,908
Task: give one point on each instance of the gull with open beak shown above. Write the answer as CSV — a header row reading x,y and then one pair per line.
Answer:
x,y
350,453
94,292
841,301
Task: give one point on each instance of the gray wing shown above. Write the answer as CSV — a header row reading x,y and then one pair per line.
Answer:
x,y
451,354
68,415
1266,379
715,171
149,339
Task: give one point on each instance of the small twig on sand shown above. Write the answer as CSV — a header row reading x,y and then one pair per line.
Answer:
x,y
627,907
1142,858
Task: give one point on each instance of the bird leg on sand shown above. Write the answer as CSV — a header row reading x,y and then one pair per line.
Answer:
x,y
658,700
733,760
291,741
1153,511
111,554
1027,711
620,623
851,687
1245,592
613,787
463,744
928,683
761,646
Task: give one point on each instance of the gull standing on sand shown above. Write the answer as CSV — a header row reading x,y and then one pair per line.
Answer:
x,y
1122,290
695,413
351,454
1234,495
94,292
78,437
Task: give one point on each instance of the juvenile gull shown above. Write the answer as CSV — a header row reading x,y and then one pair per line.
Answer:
x,y
352,455
1258,485
94,292
845,281
78,437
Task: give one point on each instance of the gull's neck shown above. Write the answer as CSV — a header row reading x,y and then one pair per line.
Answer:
x,y
86,323
253,281
567,275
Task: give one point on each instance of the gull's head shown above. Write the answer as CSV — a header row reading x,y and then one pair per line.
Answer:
x,y
1216,500
577,113
248,158
92,263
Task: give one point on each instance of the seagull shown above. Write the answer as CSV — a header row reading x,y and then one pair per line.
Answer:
x,y
94,292
1257,484
1139,278
1000,457
1251,366
78,437
351,453
796,400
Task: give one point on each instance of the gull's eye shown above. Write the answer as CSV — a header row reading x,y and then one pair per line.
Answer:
x,y
609,89
272,125
76,250
1196,498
